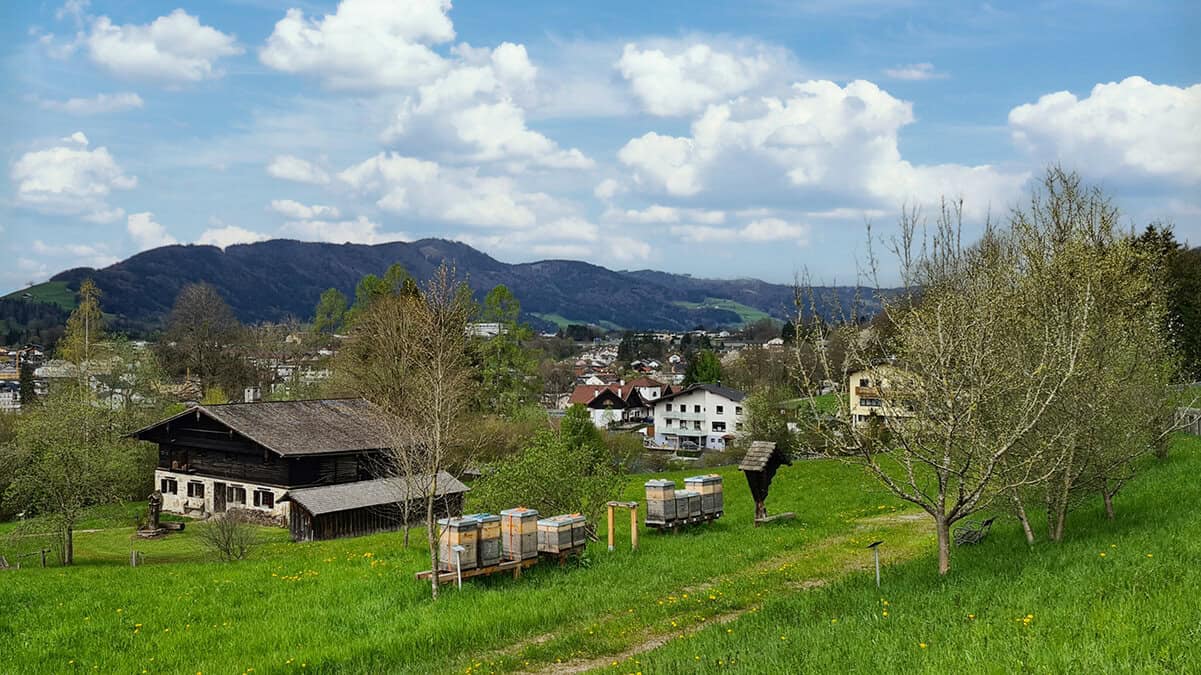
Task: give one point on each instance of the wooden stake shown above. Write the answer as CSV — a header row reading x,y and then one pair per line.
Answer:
x,y
634,528
610,526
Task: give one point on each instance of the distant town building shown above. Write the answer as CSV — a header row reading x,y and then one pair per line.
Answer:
x,y
704,416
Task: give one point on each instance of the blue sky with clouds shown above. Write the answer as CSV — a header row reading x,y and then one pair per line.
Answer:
x,y
717,139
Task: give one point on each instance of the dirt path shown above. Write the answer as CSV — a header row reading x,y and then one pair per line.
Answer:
x,y
843,565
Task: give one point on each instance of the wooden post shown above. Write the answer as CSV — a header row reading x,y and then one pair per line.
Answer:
x,y
634,527
43,557
611,505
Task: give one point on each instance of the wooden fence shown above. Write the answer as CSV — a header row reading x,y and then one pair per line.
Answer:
x,y
1192,419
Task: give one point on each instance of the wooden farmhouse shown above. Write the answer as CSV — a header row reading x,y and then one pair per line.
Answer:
x,y
256,456
351,509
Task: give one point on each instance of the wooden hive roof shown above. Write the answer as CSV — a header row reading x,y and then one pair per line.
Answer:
x,y
758,456
368,493
295,428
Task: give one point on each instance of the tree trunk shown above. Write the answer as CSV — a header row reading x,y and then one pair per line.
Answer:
x,y
1025,521
68,547
944,545
1059,519
1108,503
431,539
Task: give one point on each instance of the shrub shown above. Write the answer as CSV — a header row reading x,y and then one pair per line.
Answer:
x,y
229,537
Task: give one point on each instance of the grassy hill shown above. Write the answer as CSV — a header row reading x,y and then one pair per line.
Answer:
x,y
790,597
745,313
51,292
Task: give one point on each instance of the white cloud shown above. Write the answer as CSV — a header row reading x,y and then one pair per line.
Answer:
x,y
70,179
174,48
226,236
915,72
680,79
567,237
358,231
146,233
288,167
420,187
756,231
364,44
607,189
65,256
98,104
297,211
824,139
657,213
1132,128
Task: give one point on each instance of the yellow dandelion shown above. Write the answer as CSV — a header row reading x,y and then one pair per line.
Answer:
x,y
922,645
972,617
1148,555
1102,554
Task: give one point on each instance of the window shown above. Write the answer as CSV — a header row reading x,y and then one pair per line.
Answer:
x,y
696,425
196,489
870,402
696,408
235,495
264,498
668,422
719,426
668,407
168,486
737,410
721,410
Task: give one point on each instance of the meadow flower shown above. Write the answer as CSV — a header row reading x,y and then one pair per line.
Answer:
x,y
922,645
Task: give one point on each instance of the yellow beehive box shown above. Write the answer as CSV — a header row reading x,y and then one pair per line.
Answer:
x,y
458,532
519,533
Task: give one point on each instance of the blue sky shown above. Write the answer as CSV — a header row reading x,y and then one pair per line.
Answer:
x,y
716,139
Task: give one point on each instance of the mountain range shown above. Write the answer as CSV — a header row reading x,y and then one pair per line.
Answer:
x,y
280,279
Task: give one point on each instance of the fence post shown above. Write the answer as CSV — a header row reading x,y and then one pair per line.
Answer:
x,y
43,557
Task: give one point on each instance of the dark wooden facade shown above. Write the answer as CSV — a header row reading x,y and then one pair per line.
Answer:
x,y
306,526
198,444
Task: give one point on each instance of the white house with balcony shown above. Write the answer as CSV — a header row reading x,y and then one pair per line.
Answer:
x,y
702,416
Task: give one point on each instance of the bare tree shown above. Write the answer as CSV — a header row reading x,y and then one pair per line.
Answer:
x,y
230,536
408,354
963,376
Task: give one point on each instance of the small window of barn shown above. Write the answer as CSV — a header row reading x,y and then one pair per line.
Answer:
x,y
235,495
264,498
168,486
196,489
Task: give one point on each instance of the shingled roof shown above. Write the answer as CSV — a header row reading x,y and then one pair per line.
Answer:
x,y
726,392
366,493
758,457
292,428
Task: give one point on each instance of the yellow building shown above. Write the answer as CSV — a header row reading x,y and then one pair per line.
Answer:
x,y
875,392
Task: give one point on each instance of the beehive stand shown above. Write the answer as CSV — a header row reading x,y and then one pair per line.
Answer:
x,y
668,508
514,566
633,507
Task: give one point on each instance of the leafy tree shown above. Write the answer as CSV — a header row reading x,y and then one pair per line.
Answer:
x,y
507,370
85,327
70,454
28,391
705,367
331,312
788,333
569,471
763,421
1180,267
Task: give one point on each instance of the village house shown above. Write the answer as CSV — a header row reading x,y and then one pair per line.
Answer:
x,y
322,455
704,416
872,393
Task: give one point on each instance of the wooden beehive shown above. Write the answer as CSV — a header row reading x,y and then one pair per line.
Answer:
x,y
488,544
457,532
710,488
579,530
660,501
555,534
519,533
688,504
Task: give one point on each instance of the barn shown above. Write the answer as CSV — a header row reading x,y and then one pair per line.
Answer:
x,y
364,507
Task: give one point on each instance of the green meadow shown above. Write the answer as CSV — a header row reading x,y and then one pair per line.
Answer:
x,y
793,596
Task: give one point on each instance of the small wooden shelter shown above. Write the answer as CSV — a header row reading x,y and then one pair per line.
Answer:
x,y
364,507
760,465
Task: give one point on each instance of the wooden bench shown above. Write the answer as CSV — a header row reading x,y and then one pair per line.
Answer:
x,y
972,532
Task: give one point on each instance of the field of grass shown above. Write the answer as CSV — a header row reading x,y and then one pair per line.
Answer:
x,y
793,596
564,322
53,292
747,313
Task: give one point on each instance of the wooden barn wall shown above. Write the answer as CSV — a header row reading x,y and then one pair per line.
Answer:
x,y
369,520
260,467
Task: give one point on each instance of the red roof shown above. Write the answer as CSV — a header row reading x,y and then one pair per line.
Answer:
x,y
643,382
584,393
